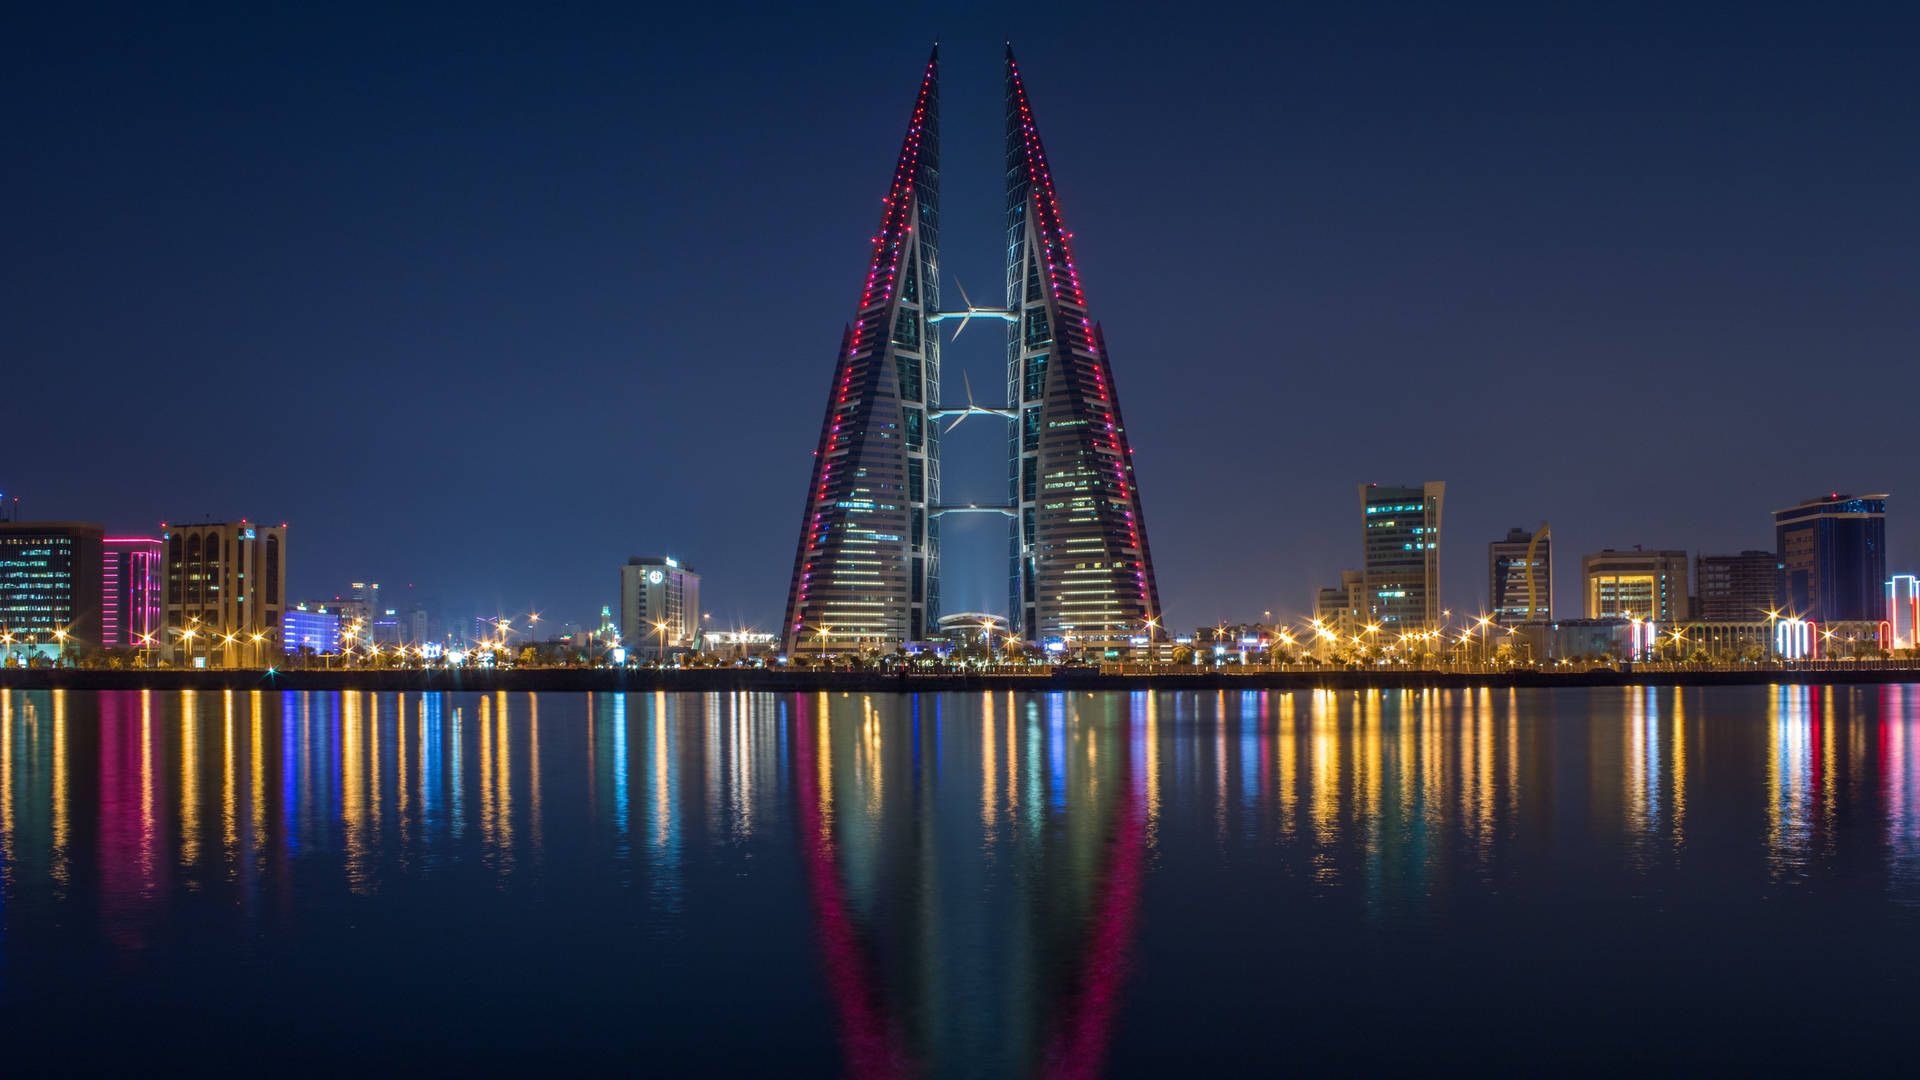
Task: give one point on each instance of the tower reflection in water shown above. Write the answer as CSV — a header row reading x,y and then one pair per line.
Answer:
x,y
979,875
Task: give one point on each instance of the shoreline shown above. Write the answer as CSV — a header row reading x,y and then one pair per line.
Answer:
x,y
751,680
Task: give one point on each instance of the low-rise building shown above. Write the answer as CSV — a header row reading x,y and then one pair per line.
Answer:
x,y
1636,584
314,627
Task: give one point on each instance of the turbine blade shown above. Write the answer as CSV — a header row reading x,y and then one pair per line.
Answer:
x,y
969,385
955,424
963,292
963,325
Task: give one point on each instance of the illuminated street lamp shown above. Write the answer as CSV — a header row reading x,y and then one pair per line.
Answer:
x,y
660,629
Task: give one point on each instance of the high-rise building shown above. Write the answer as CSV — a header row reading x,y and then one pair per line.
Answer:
x,y
1520,578
1903,612
130,592
1735,588
1081,568
866,570
867,567
1636,584
656,590
1833,558
226,585
49,588
1400,535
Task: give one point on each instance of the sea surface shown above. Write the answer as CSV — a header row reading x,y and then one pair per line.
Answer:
x,y
1127,884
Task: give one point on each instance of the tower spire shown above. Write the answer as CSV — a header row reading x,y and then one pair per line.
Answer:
x,y
1082,569
866,570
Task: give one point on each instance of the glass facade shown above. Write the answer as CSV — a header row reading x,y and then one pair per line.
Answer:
x,y
1079,570
1520,560
1400,541
129,591
316,629
50,591
867,565
1832,554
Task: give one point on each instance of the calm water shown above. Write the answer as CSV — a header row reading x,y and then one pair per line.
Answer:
x,y
1054,884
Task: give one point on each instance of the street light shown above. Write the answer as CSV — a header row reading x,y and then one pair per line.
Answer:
x,y
660,629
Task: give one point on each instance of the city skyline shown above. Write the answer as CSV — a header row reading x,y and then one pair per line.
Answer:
x,y
517,421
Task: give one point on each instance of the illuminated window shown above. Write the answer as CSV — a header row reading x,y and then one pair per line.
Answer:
x,y
1038,331
906,329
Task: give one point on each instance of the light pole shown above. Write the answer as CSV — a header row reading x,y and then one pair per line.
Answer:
x,y
660,649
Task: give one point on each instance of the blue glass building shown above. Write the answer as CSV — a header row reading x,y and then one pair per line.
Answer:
x,y
313,628
1833,558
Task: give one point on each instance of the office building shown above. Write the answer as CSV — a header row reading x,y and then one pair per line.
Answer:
x,y
225,589
130,573
49,589
1520,578
866,572
311,627
1338,609
656,590
1636,584
1400,534
1832,553
419,628
1903,613
1735,588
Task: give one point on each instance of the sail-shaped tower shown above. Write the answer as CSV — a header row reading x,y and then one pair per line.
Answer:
x,y
867,571
866,574
1081,573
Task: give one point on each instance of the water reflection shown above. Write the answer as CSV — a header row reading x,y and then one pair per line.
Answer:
x,y
972,875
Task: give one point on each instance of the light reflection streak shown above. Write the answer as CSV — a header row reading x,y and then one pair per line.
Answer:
x,y
503,777
353,808
7,825
1789,780
229,779
148,827
1899,754
663,855
533,771
1286,745
375,766
189,778
623,845
62,823
989,762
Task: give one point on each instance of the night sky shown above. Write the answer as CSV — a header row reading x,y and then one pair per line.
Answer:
x,y
488,299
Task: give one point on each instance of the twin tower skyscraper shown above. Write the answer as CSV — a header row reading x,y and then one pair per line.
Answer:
x,y
866,574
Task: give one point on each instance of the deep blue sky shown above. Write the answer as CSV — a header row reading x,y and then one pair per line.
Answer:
x,y
487,299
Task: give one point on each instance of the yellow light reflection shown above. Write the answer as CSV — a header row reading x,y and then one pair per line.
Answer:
x,y
189,778
61,819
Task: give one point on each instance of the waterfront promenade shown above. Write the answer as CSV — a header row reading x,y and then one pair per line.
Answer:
x,y
1004,677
